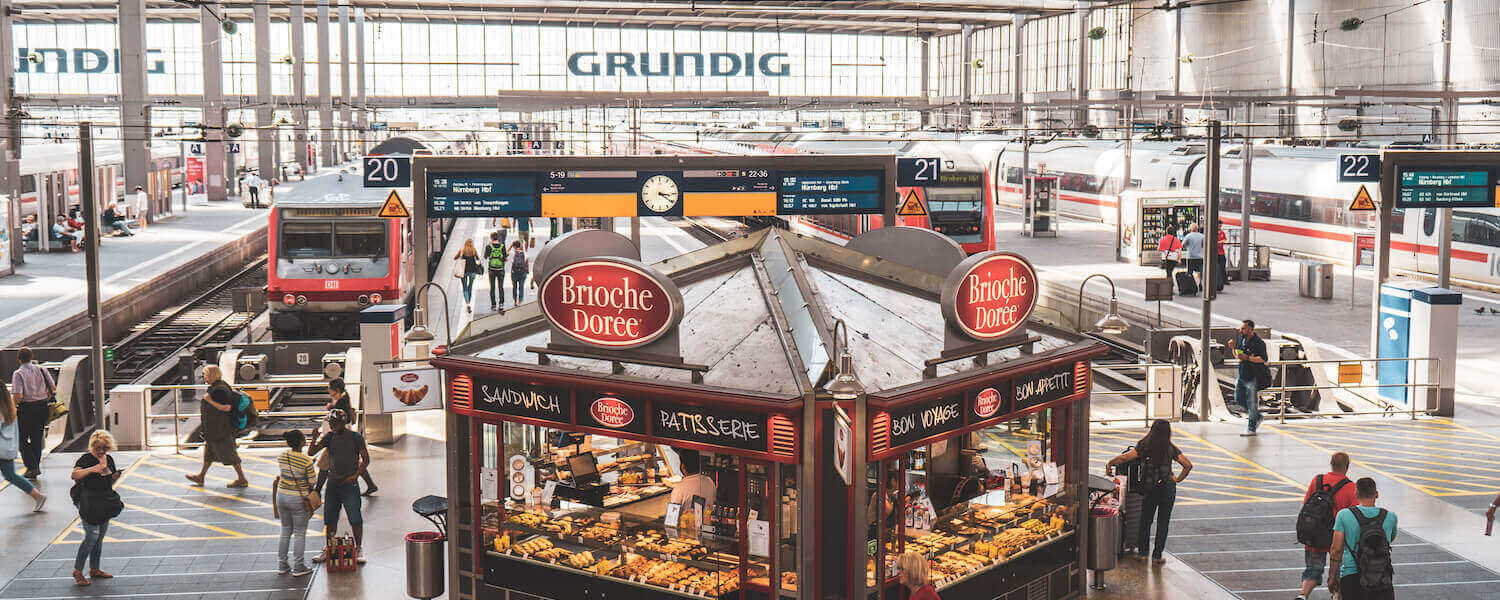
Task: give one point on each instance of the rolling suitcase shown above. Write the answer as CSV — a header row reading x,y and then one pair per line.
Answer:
x,y
1186,285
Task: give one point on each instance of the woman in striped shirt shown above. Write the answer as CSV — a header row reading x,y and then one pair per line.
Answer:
x,y
292,488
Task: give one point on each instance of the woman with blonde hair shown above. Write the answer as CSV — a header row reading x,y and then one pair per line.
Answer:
x,y
916,576
469,268
219,428
94,477
10,448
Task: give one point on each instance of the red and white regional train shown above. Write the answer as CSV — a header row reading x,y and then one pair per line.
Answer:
x,y
52,169
1297,203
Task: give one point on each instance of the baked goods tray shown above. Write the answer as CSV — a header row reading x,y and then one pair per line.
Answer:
x,y
940,585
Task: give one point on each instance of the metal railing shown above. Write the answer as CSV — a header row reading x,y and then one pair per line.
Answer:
x,y
177,416
1281,391
1146,394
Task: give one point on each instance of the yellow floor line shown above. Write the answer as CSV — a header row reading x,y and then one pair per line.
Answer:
x,y
1242,460
157,534
203,490
211,477
109,540
1422,466
1367,465
185,521
1471,430
1426,457
202,505
1383,444
1232,495
1231,486
199,463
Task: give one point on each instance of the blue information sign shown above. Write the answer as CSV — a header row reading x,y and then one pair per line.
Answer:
x,y
481,195
829,192
1445,187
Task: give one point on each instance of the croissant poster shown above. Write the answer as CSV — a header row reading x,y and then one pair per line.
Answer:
x,y
410,388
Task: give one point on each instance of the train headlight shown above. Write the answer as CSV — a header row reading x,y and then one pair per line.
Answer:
x,y
333,268
301,300
288,299
375,298
363,300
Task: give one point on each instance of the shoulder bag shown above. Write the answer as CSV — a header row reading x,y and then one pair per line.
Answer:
x,y
55,408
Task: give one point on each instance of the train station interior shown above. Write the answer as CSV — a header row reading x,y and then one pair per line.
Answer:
x,y
749,299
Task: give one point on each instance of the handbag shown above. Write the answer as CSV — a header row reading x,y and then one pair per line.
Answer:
x,y
275,489
55,408
312,500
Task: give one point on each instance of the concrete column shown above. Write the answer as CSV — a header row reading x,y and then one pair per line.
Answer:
x,y
345,95
135,106
926,89
1018,66
325,90
267,146
362,116
10,151
299,85
213,106
1082,85
966,75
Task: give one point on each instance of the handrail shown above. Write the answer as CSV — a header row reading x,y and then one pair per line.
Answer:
x,y
1281,391
178,444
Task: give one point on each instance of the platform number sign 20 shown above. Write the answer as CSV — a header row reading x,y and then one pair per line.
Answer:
x,y
1359,167
387,171
918,172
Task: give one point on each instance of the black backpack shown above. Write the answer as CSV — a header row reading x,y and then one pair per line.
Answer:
x,y
1146,475
1372,552
1315,520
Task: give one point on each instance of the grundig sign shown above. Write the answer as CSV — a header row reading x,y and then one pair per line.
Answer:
x,y
678,64
988,296
611,302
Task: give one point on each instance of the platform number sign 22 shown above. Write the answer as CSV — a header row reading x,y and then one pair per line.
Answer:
x,y
918,172
1359,167
387,171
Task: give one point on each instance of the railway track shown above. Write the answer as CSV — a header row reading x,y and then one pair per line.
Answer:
x,y
153,346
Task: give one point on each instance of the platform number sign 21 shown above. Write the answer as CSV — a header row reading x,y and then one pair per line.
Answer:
x,y
918,172
1359,167
387,171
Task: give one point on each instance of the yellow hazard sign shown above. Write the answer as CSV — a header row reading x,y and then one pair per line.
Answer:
x,y
394,208
912,206
1351,373
1362,200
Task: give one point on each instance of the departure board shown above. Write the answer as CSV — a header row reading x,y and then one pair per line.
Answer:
x,y
1445,187
829,192
481,195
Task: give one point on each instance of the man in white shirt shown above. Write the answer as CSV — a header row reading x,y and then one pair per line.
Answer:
x,y
142,206
252,182
694,483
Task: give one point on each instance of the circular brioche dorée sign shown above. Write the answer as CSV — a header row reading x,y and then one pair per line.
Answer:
x,y
611,302
612,412
987,403
988,296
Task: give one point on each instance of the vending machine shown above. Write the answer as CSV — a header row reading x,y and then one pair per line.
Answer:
x,y
1041,208
1147,216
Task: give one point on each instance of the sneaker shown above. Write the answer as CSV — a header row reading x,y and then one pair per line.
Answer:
x,y
1159,560
321,558
1247,434
32,475
359,555
283,570
302,571
40,502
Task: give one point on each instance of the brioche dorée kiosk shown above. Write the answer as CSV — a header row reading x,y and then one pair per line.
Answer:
x,y
771,417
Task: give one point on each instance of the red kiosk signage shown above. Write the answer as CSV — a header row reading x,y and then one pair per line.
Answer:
x,y
987,403
611,302
612,412
988,296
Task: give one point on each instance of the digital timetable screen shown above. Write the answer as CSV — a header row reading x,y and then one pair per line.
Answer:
x,y
1445,187
481,195
829,192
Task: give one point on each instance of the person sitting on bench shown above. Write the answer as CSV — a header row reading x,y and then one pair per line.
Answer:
x,y
62,231
112,217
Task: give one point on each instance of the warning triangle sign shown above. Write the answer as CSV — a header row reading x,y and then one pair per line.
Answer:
x,y
394,208
912,206
1362,200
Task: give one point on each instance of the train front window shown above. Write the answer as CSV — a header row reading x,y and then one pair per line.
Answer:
x,y
306,240
956,213
359,240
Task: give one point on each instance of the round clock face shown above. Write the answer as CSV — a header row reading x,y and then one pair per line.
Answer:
x,y
659,193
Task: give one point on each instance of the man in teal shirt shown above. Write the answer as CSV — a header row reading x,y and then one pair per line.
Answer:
x,y
1346,536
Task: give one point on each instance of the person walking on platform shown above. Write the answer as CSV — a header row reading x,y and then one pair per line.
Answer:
x,y
1156,453
1170,247
338,399
219,428
94,477
10,447
494,258
142,206
1192,246
1251,350
252,185
916,575
1327,495
347,459
294,495
1221,264
33,388
520,267
468,269
1363,534
523,231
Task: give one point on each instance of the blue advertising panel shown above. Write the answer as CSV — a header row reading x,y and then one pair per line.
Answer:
x,y
829,192
481,195
1395,342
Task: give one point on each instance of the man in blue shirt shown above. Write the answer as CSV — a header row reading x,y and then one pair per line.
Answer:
x,y
1251,350
1192,247
1346,535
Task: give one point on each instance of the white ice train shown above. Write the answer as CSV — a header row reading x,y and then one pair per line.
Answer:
x,y
1297,203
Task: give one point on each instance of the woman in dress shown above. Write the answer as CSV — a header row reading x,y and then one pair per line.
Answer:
x,y
94,477
293,486
916,576
10,448
219,428
468,269
1156,453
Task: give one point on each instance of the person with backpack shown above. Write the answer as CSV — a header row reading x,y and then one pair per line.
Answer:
x,y
338,399
94,477
1170,248
1364,533
495,254
1327,495
520,267
468,268
220,410
1156,453
1253,376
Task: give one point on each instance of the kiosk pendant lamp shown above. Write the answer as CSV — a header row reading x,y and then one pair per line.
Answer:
x,y
844,386
1112,323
